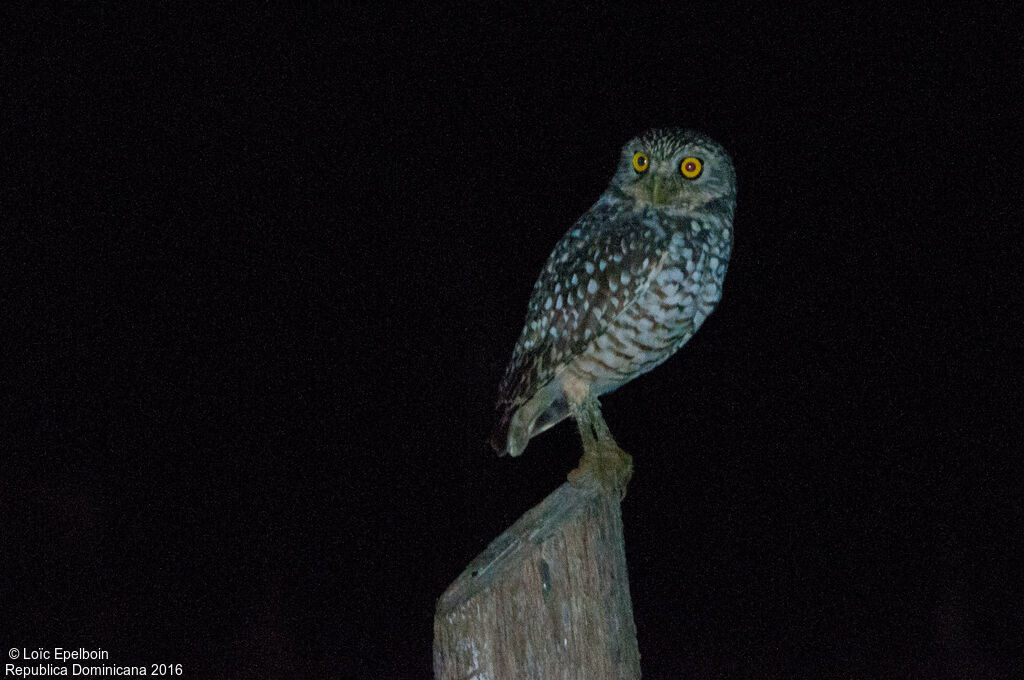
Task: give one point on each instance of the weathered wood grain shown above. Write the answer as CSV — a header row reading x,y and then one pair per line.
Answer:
x,y
549,598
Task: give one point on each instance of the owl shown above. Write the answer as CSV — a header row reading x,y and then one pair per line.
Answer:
x,y
625,287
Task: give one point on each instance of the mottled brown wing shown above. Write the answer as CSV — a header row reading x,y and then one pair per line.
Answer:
x,y
596,271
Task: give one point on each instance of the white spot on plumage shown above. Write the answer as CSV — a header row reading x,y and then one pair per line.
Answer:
x,y
574,280
612,285
547,303
624,277
592,287
602,264
558,302
589,266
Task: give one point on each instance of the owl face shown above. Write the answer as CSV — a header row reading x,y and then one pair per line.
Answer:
x,y
668,168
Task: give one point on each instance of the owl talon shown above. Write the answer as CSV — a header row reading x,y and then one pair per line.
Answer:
x,y
607,467
603,463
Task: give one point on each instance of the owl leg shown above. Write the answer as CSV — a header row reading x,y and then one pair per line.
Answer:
x,y
603,462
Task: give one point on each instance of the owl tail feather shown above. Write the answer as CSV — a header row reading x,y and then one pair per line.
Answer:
x,y
517,425
509,436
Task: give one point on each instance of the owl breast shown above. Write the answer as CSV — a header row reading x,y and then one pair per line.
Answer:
x,y
680,294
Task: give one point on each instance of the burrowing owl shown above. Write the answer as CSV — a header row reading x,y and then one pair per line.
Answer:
x,y
626,287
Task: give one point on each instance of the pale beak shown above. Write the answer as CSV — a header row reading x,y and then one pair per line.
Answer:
x,y
659,190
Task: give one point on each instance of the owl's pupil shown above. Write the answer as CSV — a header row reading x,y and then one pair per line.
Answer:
x,y
690,167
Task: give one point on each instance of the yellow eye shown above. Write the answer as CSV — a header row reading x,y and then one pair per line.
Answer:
x,y
640,161
691,167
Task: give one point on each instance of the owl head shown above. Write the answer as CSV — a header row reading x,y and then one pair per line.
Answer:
x,y
674,168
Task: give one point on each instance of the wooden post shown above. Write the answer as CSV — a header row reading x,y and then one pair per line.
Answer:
x,y
549,598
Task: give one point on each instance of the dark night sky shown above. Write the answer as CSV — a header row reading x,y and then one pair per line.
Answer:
x,y
264,270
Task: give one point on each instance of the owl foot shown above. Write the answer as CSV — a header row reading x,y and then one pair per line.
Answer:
x,y
606,466
603,462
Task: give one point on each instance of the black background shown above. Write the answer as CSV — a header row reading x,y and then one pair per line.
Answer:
x,y
264,269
